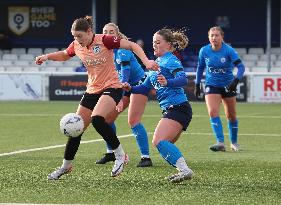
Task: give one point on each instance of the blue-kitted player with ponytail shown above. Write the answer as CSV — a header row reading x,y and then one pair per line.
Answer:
x,y
177,112
130,71
219,59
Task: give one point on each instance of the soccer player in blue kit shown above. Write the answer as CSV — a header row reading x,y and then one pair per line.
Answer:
x,y
168,83
130,71
219,59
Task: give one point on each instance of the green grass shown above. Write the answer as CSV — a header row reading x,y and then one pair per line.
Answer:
x,y
252,176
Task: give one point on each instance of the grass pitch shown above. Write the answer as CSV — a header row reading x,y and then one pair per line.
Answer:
x,y
251,176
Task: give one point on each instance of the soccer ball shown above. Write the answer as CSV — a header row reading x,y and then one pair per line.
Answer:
x,y
71,125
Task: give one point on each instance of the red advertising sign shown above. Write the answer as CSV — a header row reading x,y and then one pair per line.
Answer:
x,y
266,88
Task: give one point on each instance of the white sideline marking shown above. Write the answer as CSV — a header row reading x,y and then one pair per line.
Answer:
x,y
122,136
199,116
53,147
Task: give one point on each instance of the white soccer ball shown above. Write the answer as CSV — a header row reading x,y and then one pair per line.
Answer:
x,y
71,125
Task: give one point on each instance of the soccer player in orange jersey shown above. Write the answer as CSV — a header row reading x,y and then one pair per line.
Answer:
x,y
104,90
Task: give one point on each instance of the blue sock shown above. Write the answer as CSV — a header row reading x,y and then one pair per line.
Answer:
x,y
217,128
142,139
233,130
112,125
169,152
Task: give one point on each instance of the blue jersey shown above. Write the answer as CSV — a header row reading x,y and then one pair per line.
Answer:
x,y
166,96
126,60
219,65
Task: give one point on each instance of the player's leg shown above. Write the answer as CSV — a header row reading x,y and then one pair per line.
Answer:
x,y
84,110
166,133
230,112
135,112
213,102
109,155
73,143
104,107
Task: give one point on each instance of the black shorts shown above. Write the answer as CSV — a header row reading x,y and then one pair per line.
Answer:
x,y
90,100
128,94
181,113
219,90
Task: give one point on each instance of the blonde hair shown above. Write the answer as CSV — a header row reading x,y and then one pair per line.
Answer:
x,y
176,37
216,28
83,24
119,34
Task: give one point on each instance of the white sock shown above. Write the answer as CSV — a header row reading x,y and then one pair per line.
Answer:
x,y
181,165
109,151
119,152
145,156
66,163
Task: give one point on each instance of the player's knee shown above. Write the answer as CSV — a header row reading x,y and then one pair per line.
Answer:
x,y
155,141
213,113
231,118
97,121
133,121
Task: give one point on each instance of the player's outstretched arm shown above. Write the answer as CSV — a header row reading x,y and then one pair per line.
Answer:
x,y
129,45
56,56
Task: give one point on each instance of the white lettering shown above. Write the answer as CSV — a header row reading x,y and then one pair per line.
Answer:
x,y
43,10
216,70
78,92
94,62
63,92
40,24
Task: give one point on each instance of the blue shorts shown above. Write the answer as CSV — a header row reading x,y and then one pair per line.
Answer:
x,y
182,113
219,90
90,100
128,94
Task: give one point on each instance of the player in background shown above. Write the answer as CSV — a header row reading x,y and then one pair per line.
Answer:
x,y
104,90
219,59
177,112
130,71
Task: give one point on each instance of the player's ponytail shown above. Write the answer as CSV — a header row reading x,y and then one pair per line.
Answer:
x,y
176,37
83,24
89,19
180,39
122,36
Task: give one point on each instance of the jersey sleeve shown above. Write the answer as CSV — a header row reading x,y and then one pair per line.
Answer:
x,y
200,67
70,50
124,55
233,55
147,83
174,64
125,74
111,42
143,88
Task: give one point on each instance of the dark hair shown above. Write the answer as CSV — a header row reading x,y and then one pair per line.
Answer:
x,y
176,37
82,24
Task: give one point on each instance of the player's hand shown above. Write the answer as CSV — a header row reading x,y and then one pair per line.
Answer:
x,y
162,80
151,65
233,85
197,90
126,86
120,106
40,59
